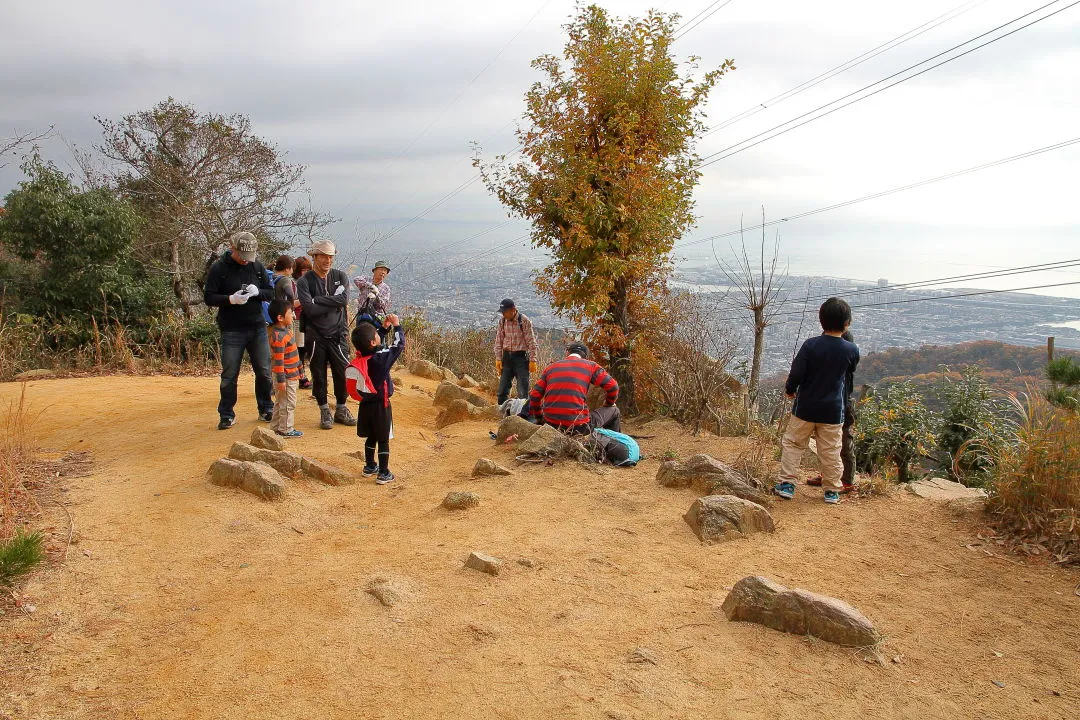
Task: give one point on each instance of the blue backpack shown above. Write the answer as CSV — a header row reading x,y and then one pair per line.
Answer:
x,y
265,304
631,445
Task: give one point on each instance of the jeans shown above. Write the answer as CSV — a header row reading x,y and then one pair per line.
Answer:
x,y
233,345
334,351
515,365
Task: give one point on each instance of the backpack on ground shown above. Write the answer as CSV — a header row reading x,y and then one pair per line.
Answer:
x,y
615,445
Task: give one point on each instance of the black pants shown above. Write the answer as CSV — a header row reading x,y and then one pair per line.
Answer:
x,y
608,417
334,351
847,447
515,365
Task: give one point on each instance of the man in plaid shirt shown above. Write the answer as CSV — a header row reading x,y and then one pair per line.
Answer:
x,y
515,351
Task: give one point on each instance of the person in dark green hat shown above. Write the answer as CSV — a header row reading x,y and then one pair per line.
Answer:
x,y
373,295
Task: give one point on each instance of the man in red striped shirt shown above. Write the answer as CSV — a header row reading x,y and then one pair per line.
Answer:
x,y
559,398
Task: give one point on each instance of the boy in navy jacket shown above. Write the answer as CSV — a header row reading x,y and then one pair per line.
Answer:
x,y
368,380
817,384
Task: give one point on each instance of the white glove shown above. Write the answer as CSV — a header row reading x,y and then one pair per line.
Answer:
x,y
251,290
372,295
341,289
238,298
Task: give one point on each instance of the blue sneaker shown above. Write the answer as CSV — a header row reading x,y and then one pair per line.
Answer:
x,y
832,497
370,469
785,490
291,433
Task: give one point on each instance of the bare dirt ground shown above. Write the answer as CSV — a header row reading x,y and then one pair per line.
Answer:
x,y
181,599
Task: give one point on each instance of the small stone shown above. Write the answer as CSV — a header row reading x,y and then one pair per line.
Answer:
x,y
253,477
485,467
946,490
388,592
467,382
483,563
528,562
266,439
643,655
398,381
325,473
998,683
715,518
460,500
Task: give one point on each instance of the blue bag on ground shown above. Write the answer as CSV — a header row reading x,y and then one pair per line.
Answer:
x,y
633,452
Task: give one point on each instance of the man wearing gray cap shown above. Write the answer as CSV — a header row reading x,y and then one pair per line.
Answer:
x,y
237,285
324,297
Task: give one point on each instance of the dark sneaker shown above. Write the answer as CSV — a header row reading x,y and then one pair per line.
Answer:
x,y
291,433
226,423
847,488
266,416
384,477
326,419
370,469
814,481
832,497
785,490
342,416
305,384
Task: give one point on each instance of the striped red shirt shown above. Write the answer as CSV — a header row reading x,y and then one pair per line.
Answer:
x,y
560,396
284,358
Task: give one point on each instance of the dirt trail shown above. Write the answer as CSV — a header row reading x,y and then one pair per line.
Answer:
x,y
182,599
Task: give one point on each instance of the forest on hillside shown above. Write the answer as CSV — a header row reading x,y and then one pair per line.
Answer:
x,y
1001,363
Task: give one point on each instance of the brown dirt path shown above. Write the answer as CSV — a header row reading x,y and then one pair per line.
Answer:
x,y
182,599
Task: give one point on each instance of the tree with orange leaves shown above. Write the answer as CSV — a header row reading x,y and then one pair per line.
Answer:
x,y
606,176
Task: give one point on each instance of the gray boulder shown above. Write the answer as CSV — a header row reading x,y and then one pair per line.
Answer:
x,y
253,477
468,382
458,411
485,467
325,473
759,600
711,477
266,439
483,563
946,490
549,442
515,425
425,369
447,392
286,463
458,500
715,518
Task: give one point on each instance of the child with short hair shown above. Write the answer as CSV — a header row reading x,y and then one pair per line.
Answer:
x,y
368,380
816,383
285,367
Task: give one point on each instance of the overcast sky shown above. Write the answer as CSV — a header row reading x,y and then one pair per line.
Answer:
x,y
381,101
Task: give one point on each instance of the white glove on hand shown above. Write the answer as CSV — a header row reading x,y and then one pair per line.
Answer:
x,y
251,290
372,295
238,298
341,289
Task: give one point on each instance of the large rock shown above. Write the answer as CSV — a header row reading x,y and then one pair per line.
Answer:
x,y
760,600
711,477
483,563
286,463
468,382
549,442
458,411
325,473
36,374
514,425
715,518
485,467
941,489
266,439
447,392
459,500
253,477
425,369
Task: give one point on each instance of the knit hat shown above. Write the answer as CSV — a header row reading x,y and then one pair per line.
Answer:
x,y
380,264
322,247
245,246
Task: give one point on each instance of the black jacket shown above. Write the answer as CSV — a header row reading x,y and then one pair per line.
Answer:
x,y
225,277
324,312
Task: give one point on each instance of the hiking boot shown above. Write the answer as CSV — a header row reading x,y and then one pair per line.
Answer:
x,y
785,490
342,416
384,477
266,416
370,469
226,423
326,419
832,497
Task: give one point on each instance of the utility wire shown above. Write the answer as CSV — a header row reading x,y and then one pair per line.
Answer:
x,y
854,62
731,149
687,27
874,196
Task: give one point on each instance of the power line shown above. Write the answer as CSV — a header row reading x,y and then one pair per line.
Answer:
x,y
854,62
883,193
680,31
724,154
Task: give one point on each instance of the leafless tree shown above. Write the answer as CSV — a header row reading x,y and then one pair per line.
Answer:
x,y
199,178
757,287
14,145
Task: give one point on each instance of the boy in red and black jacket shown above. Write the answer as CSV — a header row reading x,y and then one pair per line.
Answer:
x,y
367,379
559,398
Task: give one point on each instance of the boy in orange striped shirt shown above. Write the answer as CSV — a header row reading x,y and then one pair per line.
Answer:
x,y
285,367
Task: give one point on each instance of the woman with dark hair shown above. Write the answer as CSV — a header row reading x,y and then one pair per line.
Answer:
x,y
300,266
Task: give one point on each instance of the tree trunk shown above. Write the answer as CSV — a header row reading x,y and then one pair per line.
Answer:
x,y
621,368
755,364
178,278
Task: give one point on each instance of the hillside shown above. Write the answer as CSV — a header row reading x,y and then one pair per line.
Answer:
x,y
1000,362
179,599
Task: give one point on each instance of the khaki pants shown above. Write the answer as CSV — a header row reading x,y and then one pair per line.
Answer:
x,y
796,440
285,408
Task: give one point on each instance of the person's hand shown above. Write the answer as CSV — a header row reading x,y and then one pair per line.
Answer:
x,y
238,298
498,366
251,290
281,387
393,319
532,366
341,289
372,295
296,304
789,396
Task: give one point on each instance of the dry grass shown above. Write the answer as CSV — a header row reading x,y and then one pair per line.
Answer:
x,y
18,498
1036,480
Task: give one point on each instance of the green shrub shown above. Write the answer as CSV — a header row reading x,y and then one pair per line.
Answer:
x,y
974,419
20,555
895,427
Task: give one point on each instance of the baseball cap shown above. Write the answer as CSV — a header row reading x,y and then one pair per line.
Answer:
x,y
245,246
576,348
322,247
506,304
